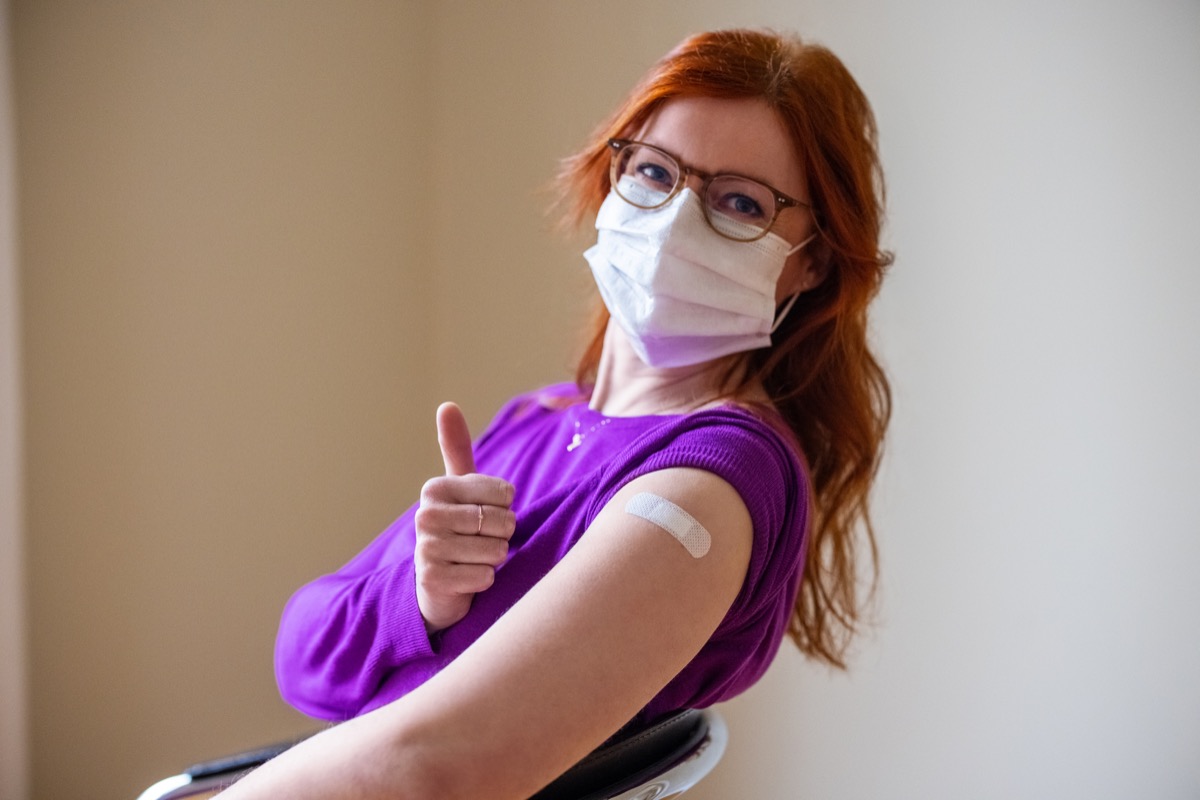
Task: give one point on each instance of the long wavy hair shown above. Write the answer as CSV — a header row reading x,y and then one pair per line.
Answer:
x,y
819,372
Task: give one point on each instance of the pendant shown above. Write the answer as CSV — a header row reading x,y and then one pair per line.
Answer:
x,y
577,438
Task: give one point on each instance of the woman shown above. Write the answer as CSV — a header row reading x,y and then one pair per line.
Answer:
x,y
640,541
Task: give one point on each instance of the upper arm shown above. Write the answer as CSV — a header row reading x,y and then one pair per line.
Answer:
x,y
583,651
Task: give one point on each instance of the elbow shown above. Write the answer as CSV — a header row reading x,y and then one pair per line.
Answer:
x,y
446,782
310,686
417,770
429,763
310,702
423,781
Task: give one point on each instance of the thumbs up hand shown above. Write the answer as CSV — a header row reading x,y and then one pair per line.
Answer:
x,y
463,526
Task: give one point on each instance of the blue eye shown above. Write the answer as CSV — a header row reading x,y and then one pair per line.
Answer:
x,y
656,174
738,206
742,200
746,207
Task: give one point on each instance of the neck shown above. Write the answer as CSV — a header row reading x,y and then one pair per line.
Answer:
x,y
626,386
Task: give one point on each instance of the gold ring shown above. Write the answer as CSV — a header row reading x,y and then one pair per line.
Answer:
x,y
480,528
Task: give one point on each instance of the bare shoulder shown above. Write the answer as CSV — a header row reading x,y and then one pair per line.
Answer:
x,y
697,508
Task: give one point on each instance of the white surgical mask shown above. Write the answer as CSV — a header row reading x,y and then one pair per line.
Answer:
x,y
682,293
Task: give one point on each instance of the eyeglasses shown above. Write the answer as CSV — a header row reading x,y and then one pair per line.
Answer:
x,y
736,207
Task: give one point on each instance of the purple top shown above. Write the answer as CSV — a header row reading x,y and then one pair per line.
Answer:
x,y
353,641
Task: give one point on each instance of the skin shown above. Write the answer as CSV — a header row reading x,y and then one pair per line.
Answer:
x,y
611,624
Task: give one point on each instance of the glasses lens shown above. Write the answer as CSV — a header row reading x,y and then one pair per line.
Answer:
x,y
643,176
739,208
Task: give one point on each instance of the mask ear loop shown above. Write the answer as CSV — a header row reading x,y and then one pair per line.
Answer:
x,y
786,308
797,248
796,296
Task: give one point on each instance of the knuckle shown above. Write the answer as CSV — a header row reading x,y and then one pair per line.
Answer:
x,y
422,518
485,579
427,579
466,579
428,550
421,548
433,488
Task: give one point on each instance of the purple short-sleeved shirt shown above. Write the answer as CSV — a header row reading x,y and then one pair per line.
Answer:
x,y
354,640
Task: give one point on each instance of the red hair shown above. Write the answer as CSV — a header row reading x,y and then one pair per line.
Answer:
x,y
819,371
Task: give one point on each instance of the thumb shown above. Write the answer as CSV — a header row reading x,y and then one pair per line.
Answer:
x,y
454,437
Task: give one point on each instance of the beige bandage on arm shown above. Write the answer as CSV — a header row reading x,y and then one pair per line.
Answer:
x,y
672,519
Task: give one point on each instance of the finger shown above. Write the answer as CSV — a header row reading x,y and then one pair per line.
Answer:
x,y
434,516
495,522
458,578
454,438
463,549
468,490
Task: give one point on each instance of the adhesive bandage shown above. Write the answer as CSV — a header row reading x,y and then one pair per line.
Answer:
x,y
672,519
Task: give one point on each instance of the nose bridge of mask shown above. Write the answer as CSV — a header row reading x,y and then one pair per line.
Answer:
x,y
755,265
686,205
639,193
664,223
652,224
691,211
686,218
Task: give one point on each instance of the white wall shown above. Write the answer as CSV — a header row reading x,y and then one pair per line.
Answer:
x,y
1037,512
13,750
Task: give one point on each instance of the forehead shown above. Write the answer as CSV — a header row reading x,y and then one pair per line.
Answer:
x,y
742,135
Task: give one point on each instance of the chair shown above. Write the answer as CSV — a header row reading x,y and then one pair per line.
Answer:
x,y
655,763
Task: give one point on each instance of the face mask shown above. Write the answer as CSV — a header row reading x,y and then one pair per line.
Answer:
x,y
682,293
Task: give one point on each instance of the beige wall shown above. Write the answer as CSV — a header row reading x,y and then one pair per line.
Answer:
x,y
14,752
261,240
227,306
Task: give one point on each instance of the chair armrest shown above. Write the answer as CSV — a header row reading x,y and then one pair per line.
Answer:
x,y
631,757
672,754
